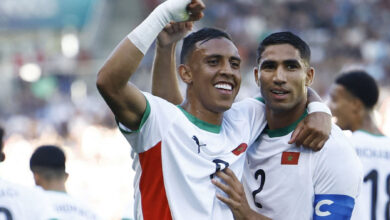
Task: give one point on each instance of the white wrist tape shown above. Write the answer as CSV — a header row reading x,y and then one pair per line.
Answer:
x,y
145,33
318,107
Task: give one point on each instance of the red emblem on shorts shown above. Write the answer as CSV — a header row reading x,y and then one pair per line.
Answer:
x,y
240,149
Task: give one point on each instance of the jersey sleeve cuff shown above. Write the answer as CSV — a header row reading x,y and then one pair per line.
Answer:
x,y
145,116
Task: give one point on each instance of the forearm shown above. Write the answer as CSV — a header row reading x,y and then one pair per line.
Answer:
x,y
164,82
126,101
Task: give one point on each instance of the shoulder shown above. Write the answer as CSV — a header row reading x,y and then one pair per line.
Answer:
x,y
155,100
248,106
258,102
338,169
338,143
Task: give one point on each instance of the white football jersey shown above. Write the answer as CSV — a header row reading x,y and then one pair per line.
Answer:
x,y
21,203
128,213
178,155
285,182
69,208
374,153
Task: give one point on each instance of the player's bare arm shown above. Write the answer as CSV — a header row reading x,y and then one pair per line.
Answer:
x,y
125,100
164,82
314,130
236,199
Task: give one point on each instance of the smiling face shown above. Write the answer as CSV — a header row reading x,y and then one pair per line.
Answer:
x,y
213,74
284,77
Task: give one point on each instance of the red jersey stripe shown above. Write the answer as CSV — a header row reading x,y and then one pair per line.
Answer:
x,y
153,196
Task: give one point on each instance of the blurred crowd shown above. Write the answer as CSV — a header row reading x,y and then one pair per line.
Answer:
x,y
341,33
64,108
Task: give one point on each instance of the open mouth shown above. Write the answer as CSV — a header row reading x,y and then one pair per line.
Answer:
x,y
279,93
224,86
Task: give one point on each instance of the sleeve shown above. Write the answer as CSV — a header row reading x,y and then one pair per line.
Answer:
x,y
252,110
158,116
337,179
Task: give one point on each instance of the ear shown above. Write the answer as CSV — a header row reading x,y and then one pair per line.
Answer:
x,y
257,76
37,179
310,73
2,156
66,176
358,106
185,73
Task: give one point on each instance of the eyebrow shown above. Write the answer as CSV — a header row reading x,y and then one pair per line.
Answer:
x,y
267,62
235,58
220,56
285,62
291,61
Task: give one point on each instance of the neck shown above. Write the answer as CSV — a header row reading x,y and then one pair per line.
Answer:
x,y
201,113
54,186
368,124
282,118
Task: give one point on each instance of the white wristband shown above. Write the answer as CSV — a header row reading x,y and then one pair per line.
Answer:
x,y
145,33
318,107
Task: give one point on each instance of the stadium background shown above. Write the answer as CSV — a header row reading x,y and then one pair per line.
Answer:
x,y
51,51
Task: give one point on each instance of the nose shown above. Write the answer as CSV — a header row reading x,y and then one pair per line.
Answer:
x,y
226,68
279,76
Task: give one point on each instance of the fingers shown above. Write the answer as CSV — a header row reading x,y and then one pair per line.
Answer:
x,y
176,27
233,187
230,182
189,25
231,174
231,203
295,133
169,28
301,136
195,9
321,144
222,186
309,141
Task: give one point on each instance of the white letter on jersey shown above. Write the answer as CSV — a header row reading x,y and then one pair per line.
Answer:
x,y
318,206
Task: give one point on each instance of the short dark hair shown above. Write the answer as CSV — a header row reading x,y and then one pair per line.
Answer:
x,y
360,84
49,156
204,35
285,38
49,162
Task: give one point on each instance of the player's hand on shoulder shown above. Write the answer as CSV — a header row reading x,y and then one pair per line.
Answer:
x,y
313,131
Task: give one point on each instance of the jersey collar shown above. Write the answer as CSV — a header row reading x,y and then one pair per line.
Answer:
x,y
285,130
201,124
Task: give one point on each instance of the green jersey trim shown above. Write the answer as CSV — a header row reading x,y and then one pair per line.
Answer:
x,y
367,132
284,131
143,120
201,124
261,99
